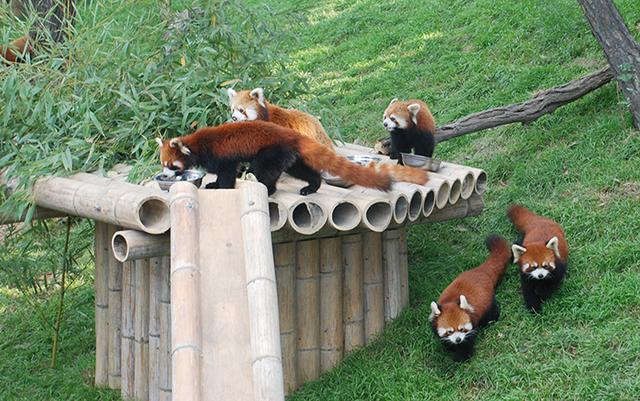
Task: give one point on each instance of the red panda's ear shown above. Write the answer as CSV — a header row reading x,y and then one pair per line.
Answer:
x,y
464,304
435,311
395,99
258,94
159,142
414,108
517,252
553,244
177,143
231,94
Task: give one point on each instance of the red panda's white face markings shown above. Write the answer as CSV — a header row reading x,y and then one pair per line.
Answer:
x,y
397,116
244,104
452,321
537,261
173,156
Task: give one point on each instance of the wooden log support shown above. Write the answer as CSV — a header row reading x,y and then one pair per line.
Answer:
x,y
115,315
155,278
392,279
404,268
141,331
262,295
165,330
284,256
186,328
353,296
127,361
101,243
308,310
331,321
373,285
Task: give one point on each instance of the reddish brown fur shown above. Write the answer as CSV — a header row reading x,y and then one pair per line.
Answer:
x,y
16,50
425,120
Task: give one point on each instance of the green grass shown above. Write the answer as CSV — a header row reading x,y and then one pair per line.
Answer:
x,y
579,166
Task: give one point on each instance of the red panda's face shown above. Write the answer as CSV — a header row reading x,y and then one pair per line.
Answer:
x,y
538,261
452,321
246,105
400,115
173,156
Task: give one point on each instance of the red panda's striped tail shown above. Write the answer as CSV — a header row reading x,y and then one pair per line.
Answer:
x,y
499,255
402,173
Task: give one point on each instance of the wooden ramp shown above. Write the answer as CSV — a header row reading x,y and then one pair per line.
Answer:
x,y
224,303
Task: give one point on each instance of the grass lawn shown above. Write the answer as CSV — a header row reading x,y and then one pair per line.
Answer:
x,y
579,166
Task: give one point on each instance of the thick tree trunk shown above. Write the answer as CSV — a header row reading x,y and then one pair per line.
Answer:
x,y
620,48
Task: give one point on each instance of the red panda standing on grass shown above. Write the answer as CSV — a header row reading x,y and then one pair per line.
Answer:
x,y
273,150
411,126
542,255
469,302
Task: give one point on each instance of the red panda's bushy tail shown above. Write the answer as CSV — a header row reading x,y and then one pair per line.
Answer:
x,y
520,216
499,255
17,49
402,173
320,157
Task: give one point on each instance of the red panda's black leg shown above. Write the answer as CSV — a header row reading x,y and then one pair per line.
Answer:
x,y
227,171
302,171
492,315
271,162
531,299
400,143
463,351
424,143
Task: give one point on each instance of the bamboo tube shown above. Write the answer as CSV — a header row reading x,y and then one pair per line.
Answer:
x,y
143,209
308,310
466,177
392,279
429,202
277,214
479,176
353,297
132,244
165,330
454,183
262,295
476,205
304,216
141,330
127,388
115,315
284,256
441,189
404,269
416,195
331,322
186,335
155,277
457,210
373,285
101,243
400,204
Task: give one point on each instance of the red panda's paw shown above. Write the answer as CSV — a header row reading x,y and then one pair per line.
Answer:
x,y
212,185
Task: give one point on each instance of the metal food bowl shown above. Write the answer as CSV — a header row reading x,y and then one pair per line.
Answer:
x,y
364,160
192,176
423,162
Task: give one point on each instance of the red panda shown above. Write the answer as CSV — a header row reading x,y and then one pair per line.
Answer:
x,y
411,126
273,149
15,51
469,302
252,105
542,255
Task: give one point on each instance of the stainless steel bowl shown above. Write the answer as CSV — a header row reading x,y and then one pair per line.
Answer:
x,y
192,176
364,160
423,162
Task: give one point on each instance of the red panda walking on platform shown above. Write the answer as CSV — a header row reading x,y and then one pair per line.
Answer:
x,y
274,150
542,255
469,302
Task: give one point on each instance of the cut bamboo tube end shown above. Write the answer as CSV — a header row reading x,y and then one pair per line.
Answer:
x,y
400,208
131,244
481,182
277,215
429,202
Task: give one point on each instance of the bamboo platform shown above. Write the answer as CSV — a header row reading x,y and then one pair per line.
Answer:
x,y
247,297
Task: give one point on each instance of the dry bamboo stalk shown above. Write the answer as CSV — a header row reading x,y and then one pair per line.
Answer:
x,y
331,321
262,295
132,244
101,243
455,184
429,202
284,256
373,285
165,330
441,189
186,333
404,269
155,277
127,367
353,292
141,330
415,194
392,280
479,176
308,310
465,176
400,203
115,315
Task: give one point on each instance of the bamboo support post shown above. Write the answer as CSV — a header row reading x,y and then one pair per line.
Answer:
x,y
404,269
132,244
186,335
373,285
353,296
262,295
141,330
392,279
127,364
155,277
101,243
331,321
308,310
165,330
115,315
284,256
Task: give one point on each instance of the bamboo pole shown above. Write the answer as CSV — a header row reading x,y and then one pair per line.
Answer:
x,y
186,332
308,310
331,321
462,173
400,204
127,364
479,176
404,269
141,330
115,315
373,285
304,216
284,256
454,183
155,278
392,279
132,244
277,214
102,304
353,297
165,330
415,194
429,202
262,295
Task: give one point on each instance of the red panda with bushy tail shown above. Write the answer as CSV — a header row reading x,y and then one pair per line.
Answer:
x,y
542,255
274,150
469,302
